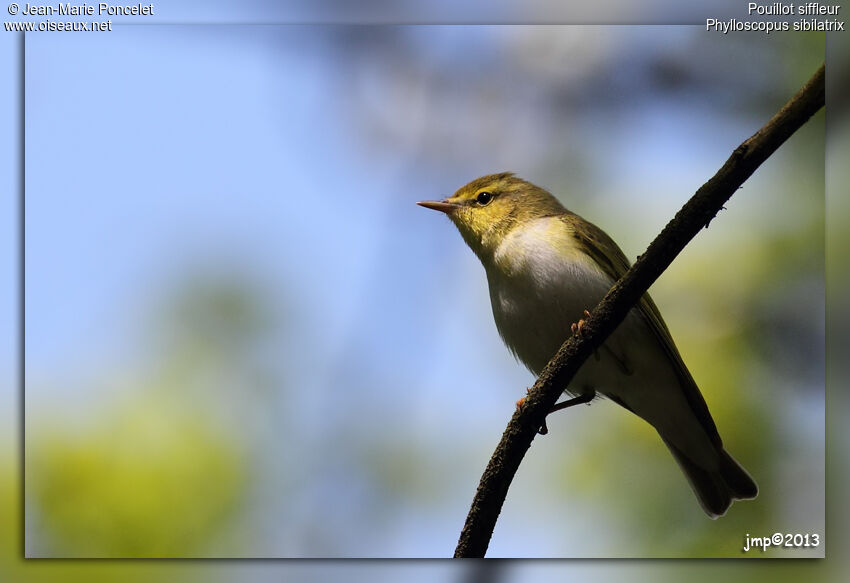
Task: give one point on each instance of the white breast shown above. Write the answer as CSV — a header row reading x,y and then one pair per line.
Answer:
x,y
540,283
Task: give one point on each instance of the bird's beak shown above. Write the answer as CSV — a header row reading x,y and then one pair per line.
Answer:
x,y
439,205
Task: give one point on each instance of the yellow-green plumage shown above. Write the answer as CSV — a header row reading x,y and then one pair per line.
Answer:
x,y
545,265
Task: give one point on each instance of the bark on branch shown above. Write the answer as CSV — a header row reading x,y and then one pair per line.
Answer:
x,y
696,214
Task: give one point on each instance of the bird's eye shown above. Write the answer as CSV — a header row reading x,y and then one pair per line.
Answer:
x,y
484,198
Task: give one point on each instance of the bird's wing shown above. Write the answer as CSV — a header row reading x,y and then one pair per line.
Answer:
x,y
615,265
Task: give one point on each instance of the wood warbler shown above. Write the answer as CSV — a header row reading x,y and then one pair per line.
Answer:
x,y
545,266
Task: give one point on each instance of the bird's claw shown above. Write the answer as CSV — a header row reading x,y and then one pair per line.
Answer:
x,y
576,327
521,402
542,430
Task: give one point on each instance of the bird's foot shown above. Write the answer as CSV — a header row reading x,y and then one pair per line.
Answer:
x,y
521,402
542,430
576,327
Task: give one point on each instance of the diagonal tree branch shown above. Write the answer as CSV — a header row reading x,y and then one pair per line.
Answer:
x,y
696,214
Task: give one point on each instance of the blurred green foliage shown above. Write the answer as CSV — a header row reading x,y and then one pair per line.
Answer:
x,y
148,479
160,467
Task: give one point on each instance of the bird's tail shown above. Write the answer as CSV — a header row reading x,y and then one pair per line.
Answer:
x,y
716,488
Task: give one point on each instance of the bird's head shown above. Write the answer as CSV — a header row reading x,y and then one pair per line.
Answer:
x,y
487,209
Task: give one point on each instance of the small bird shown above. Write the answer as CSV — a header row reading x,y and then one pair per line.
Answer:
x,y
545,266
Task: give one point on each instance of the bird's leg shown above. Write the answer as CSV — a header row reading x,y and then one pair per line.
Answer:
x,y
581,399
